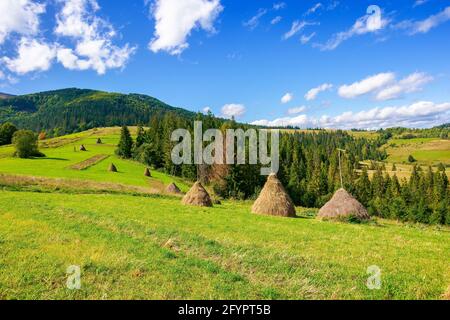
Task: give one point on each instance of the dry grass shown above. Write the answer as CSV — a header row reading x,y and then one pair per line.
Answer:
x,y
274,200
72,185
343,206
197,196
83,165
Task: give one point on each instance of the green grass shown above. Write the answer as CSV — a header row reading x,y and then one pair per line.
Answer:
x,y
58,161
427,151
155,248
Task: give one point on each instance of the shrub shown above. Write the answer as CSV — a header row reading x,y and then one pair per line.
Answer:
x,y
26,144
411,159
7,131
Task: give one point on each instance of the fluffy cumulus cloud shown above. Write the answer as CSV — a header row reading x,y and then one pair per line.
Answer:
x,y
19,16
92,36
32,55
419,114
385,86
314,92
88,39
175,20
411,83
372,22
207,110
287,98
367,85
233,110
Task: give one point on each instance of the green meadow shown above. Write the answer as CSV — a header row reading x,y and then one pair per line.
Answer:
x,y
132,245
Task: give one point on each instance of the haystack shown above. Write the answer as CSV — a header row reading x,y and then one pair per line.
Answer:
x,y
112,168
197,196
173,188
147,172
99,141
274,200
82,148
343,206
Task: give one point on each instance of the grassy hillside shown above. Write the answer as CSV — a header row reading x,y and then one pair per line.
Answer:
x,y
138,248
62,154
70,110
428,151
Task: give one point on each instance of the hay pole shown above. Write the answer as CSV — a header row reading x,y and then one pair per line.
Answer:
x,y
340,166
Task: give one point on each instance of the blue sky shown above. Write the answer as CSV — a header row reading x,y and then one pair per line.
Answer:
x,y
323,63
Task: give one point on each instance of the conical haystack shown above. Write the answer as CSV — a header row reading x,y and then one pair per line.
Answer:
x,y
173,188
99,141
82,148
274,200
343,206
197,196
147,172
112,168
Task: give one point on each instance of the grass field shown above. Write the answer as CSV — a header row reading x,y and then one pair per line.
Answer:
x,y
63,154
427,151
132,247
132,241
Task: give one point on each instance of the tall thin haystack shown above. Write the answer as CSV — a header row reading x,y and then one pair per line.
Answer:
x,y
274,200
343,206
82,148
173,188
197,196
147,172
112,168
99,141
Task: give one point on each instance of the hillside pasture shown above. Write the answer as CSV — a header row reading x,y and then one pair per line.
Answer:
x,y
427,151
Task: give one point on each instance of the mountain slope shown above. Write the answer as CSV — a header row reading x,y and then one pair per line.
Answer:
x,y
69,110
5,95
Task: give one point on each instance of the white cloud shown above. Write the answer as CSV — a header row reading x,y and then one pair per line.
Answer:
x,y
254,21
367,85
19,16
385,86
279,6
370,23
305,39
276,20
419,3
175,20
411,83
313,9
431,22
419,114
313,93
32,56
287,98
206,110
296,27
297,110
233,110
93,37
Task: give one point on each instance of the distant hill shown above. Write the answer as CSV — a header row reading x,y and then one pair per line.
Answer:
x,y
70,110
5,95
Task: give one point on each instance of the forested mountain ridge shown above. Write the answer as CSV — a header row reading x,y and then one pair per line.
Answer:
x,y
70,110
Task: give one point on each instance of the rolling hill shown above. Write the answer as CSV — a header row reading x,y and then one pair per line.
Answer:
x,y
72,110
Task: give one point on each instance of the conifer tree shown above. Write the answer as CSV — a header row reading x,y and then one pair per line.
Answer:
x,y
124,149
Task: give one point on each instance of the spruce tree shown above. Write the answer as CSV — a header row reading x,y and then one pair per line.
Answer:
x,y
124,149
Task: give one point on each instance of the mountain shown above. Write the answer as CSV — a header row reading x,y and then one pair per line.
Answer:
x,y
5,95
70,110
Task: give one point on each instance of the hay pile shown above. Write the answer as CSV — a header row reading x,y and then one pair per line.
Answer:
x,y
112,168
99,141
147,172
173,188
82,148
274,200
197,196
343,206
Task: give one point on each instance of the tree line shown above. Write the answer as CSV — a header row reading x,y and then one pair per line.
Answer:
x,y
309,169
